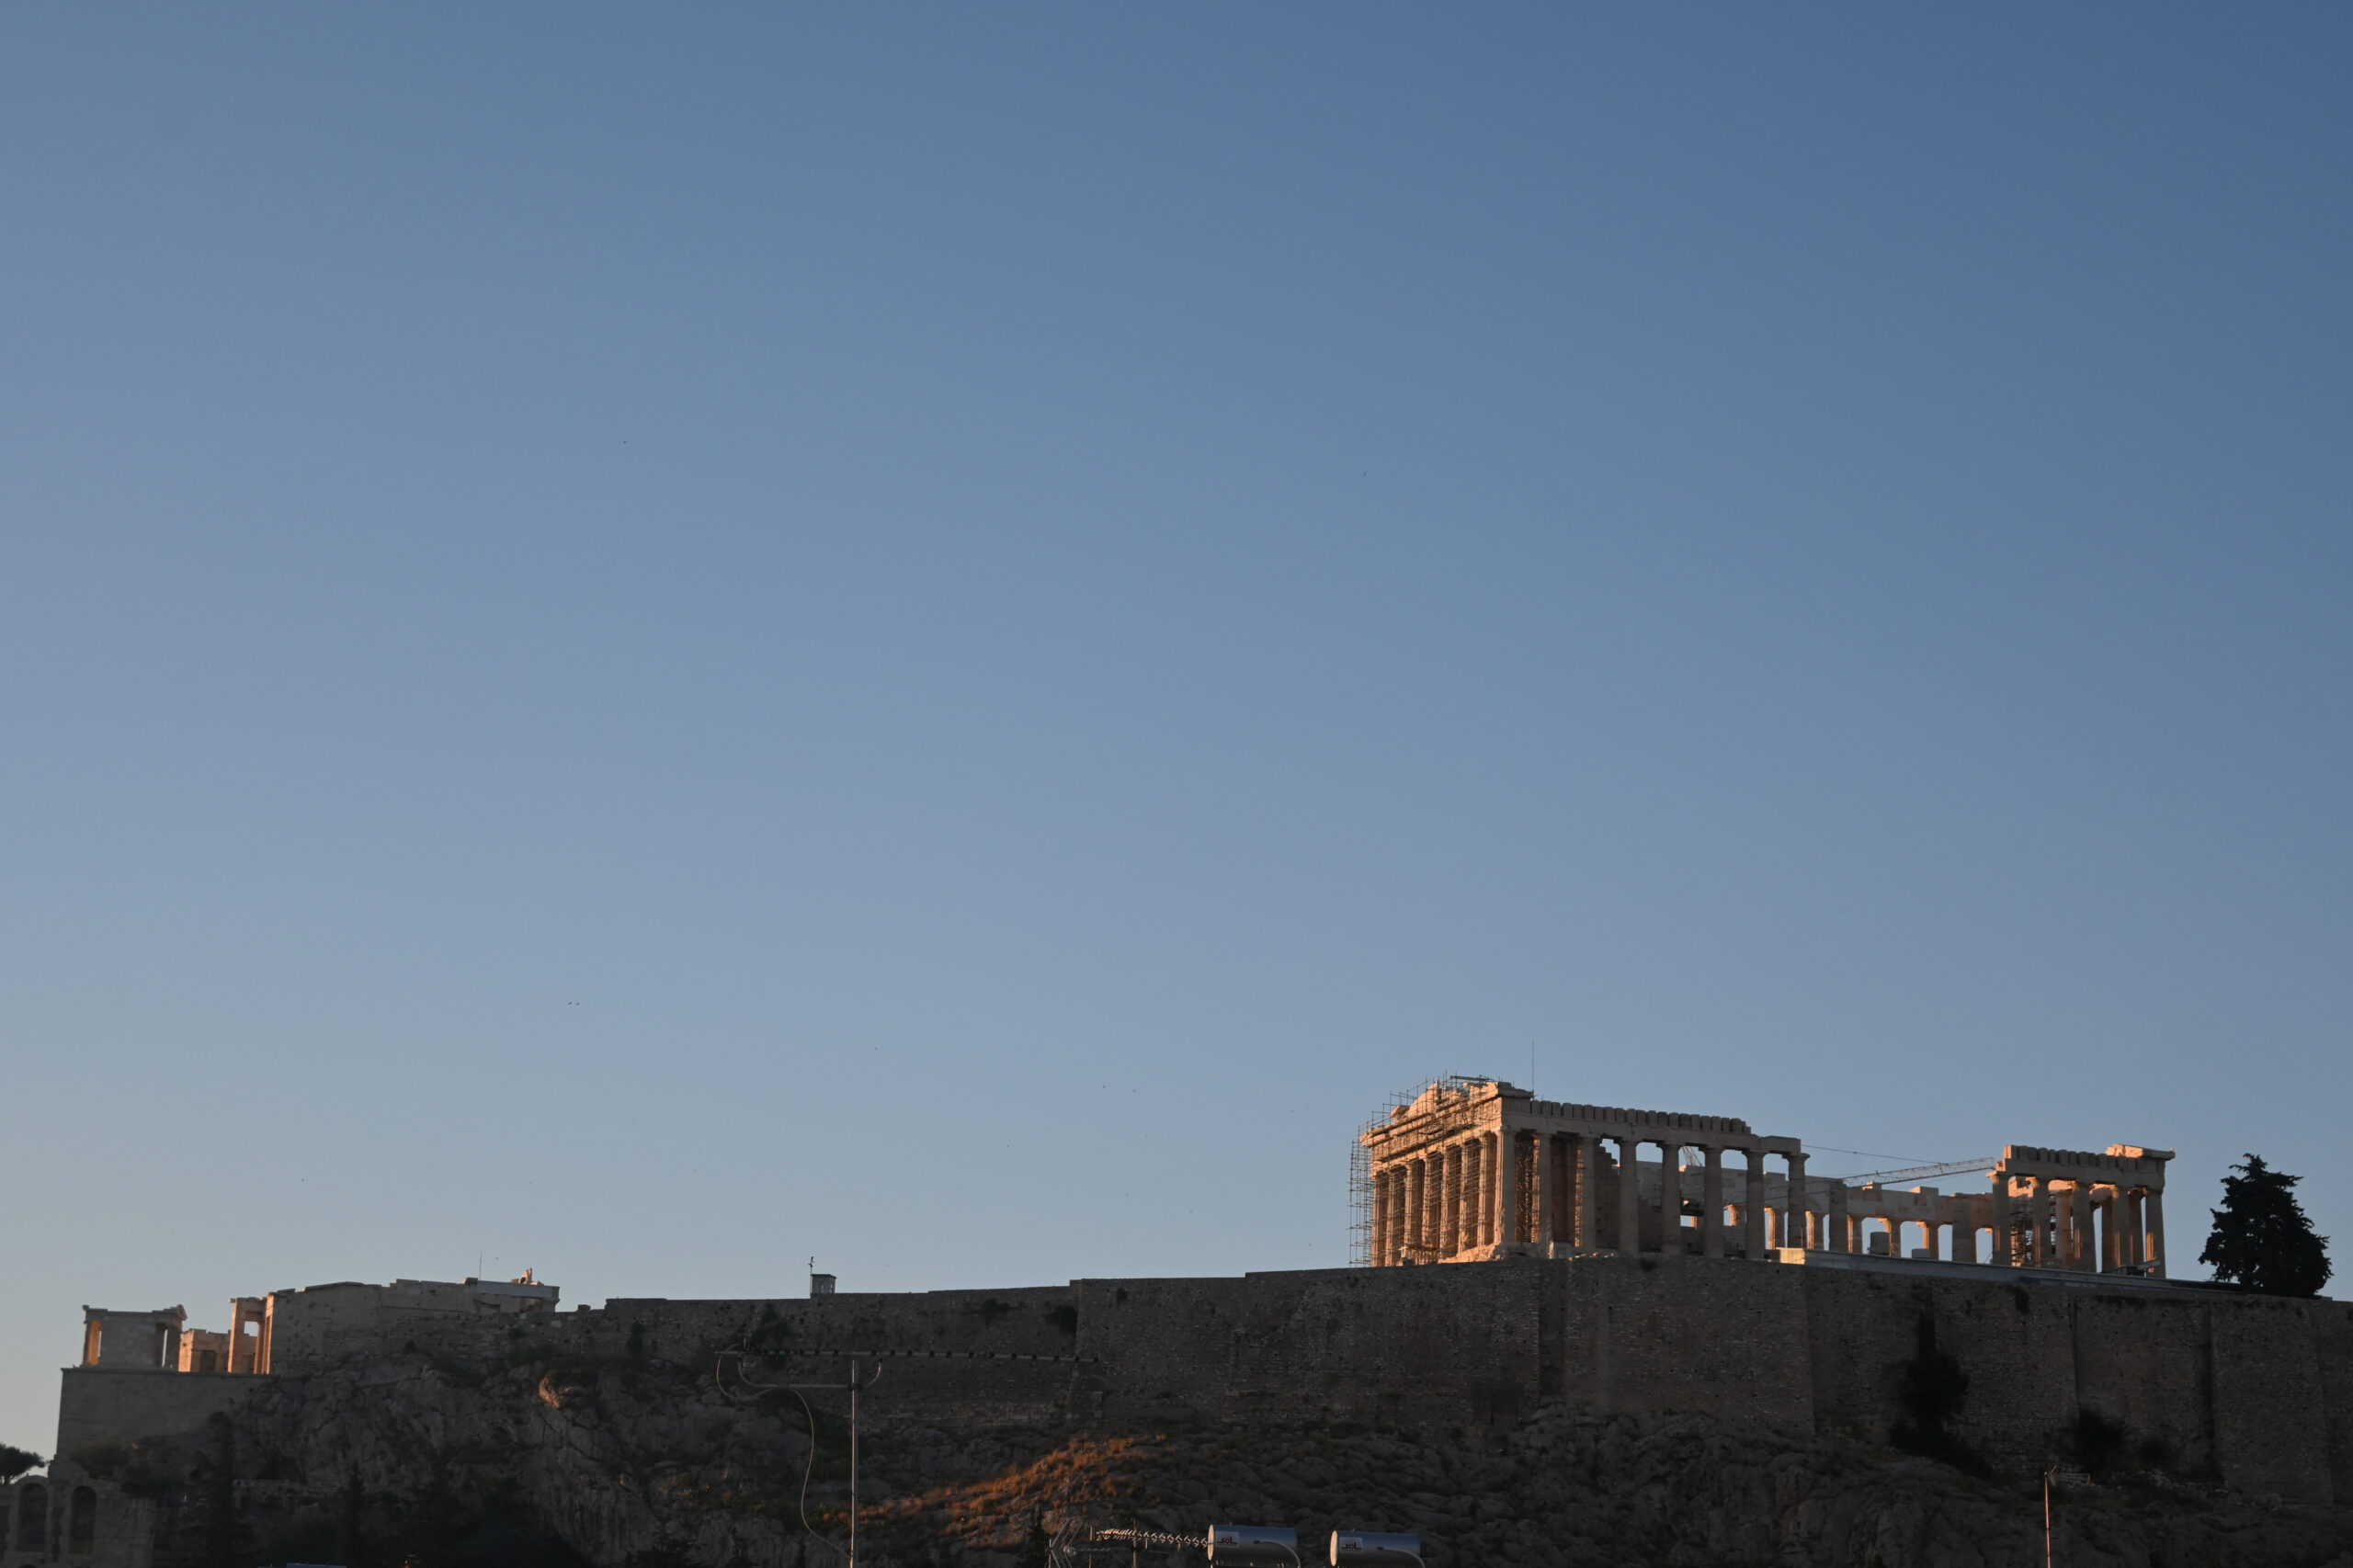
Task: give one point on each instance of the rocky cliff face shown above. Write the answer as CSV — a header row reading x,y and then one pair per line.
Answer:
x,y
629,1461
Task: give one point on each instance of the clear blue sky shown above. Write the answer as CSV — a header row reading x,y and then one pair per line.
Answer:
x,y
649,641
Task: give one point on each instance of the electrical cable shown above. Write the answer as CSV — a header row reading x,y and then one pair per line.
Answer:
x,y
809,1467
808,1470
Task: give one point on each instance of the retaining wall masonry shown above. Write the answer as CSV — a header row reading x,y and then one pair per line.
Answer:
x,y
2256,1393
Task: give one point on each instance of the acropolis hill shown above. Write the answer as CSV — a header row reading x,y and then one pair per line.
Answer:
x,y
1558,1351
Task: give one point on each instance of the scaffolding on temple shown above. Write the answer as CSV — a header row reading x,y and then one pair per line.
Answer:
x,y
1453,1090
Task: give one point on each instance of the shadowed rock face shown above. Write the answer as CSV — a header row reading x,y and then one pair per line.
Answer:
x,y
631,1463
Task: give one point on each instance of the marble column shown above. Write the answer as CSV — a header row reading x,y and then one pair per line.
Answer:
x,y
1838,1222
1489,1186
1412,1238
1800,1204
2153,1209
1752,1203
1561,1179
1494,1173
1475,1193
1429,1202
1466,1220
1585,1162
1629,1195
1711,1202
1466,1197
1450,1185
1507,1174
1670,1197
1547,1194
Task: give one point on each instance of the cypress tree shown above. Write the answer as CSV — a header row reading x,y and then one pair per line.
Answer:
x,y
2261,1239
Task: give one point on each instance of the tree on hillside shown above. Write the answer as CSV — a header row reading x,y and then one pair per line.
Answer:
x,y
15,1461
2261,1238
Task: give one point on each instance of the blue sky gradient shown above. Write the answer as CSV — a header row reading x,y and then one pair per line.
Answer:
x,y
650,642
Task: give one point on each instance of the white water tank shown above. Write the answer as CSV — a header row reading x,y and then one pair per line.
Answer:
x,y
1367,1546
1253,1543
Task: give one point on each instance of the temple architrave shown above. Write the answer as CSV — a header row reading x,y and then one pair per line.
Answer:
x,y
1475,1168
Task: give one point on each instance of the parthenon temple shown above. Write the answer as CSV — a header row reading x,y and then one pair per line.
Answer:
x,y
1475,1168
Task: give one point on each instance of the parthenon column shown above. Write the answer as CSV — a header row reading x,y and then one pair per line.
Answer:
x,y
1463,1166
1539,1223
1466,1218
1490,1185
1416,1224
1401,1210
1451,1183
1494,1168
1585,1156
1431,1205
1670,1197
1752,1203
1507,1168
1711,1202
1393,1236
1838,1222
1560,1161
1466,1200
2153,1230
1474,1192
1377,1232
1629,1195
1800,1204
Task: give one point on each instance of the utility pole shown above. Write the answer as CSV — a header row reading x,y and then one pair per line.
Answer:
x,y
861,1376
858,1380
2046,1519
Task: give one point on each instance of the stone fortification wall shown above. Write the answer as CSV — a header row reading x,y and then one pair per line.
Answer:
x,y
100,1404
2256,1392
326,1324
1400,1347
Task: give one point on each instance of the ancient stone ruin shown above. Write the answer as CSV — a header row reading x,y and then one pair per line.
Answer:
x,y
1474,1169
